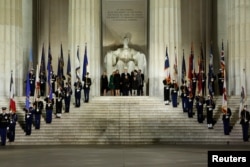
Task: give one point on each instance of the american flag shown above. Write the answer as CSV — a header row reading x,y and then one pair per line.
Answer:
x,y
224,96
222,57
166,65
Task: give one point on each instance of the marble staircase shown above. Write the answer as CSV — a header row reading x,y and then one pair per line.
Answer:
x,y
128,120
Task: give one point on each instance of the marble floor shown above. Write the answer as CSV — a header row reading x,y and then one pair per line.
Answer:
x,y
110,156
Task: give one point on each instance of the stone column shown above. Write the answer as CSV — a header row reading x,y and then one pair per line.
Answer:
x,y
84,28
165,30
238,46
11,45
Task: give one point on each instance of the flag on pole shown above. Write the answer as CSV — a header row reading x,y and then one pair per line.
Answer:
x,y
175,65
61,64
166,66
27,101
77,64
200,70
224,96
69,66
42,64
210,72
31,61
191,64
183,69
12,106
49,69
222,58
85,63
37,89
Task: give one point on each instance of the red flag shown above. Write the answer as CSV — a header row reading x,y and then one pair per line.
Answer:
x,y
224,96
12,106
191,64
200,66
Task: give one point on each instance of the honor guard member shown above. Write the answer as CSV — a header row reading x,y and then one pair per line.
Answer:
x,y
38,107
221,81
199,107
78,89
53,81
174,93
226,121
42,80
86,87
49,110
211,87
167,85
194,82
32,80
190,104
68,93
28,120
4,123
59,98
203,80
245,117
184,94
210,107
12,126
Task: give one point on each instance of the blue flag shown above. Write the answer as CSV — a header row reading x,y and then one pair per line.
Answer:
x,y
42,65
85,63
27,102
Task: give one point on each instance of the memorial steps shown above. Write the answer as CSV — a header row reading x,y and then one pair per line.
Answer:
x,y
128,120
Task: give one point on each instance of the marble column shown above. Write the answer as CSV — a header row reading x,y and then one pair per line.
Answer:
x,y
165,30
238,28
84,29
11,45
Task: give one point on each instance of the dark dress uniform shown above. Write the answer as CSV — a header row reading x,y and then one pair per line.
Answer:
x,y
78,89
167,85
245,117
38,107
86,87
210,107
4,123
42,79
49,111
184,98
12,127
190,105
211,85
32,80
199,106
194,83
68,93
174,93
226,121
220,81
59,98
28,120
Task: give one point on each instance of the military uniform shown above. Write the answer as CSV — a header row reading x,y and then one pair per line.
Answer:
x,y
174,93
32,80
184,98
221,81
12,127
167,86
28,120
4,123
42,79
245,117
199,106
210,107
59,98
49,111
226,121
190,104
86,87
38,107
68,93
78,89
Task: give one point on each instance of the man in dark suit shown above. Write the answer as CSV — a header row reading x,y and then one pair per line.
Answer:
x,y
226,121
245,117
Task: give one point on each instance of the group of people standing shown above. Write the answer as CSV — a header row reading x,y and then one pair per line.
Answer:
x,y
7,125
123,84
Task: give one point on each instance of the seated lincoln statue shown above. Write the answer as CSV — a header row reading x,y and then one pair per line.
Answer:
x,y
125,57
